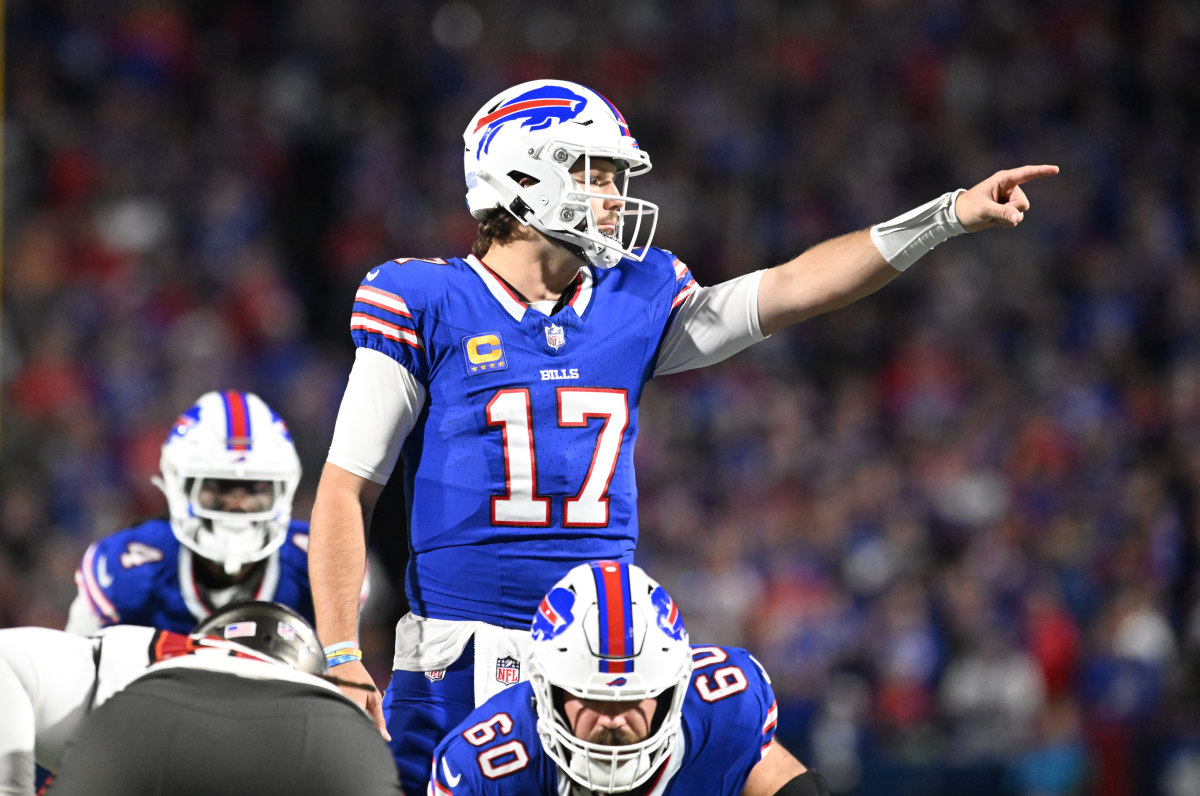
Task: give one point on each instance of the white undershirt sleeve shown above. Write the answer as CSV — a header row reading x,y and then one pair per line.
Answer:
x,y
712,324
379,408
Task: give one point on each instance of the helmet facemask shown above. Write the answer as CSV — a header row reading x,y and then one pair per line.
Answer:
x,y
605,768
232,538
520,152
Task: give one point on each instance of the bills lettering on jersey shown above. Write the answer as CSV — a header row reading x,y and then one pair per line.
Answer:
x,y
561,374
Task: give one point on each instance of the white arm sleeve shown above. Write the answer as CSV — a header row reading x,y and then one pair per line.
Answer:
x,y
712,324
46,679
80,619
379,408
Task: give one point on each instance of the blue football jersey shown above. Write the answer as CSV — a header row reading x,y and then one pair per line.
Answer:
x,y
521,463
143,576
729,718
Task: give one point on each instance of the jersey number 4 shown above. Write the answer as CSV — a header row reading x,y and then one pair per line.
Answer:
x,y
511,411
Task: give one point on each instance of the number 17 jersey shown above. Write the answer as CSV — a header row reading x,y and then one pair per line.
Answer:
x,y
520,464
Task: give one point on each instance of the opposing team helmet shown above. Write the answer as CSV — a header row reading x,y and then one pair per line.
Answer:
x,y
537,132
271,629
607,631
229,437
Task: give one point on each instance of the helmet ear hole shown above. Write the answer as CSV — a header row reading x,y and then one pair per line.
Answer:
x,y
559,699
665,700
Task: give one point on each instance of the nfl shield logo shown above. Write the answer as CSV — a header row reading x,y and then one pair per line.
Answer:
x,y
508,670
556,338
434,675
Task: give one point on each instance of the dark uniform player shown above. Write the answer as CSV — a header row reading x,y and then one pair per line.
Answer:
x,y
240,706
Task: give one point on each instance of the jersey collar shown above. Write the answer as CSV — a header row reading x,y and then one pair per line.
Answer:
x,y
194,595
580,298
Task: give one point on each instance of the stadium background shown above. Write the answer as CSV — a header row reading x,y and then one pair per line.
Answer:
x,y
957,521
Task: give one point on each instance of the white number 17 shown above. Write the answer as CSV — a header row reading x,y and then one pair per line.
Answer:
x,y
577,406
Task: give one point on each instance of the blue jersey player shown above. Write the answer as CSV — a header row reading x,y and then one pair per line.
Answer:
x,y
229,471
508,382
619,702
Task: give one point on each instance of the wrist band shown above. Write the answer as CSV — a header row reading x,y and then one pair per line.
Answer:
x,y
337,660
906,237
341,645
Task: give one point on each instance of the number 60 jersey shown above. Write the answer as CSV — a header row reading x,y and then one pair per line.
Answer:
x,y
520,464
729,720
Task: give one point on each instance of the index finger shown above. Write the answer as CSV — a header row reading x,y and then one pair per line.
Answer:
x,y
1026,173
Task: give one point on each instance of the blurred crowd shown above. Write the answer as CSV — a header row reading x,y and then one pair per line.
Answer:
x,y
957,521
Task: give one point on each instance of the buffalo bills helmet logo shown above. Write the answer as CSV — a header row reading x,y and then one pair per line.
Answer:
x,y
537,109
280,426
185,422
554,615
669,619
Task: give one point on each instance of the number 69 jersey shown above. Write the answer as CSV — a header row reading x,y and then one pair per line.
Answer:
x,y
520,464
729,719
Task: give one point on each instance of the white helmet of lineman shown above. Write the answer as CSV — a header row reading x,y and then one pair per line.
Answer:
x,y
607,631
229,436
539,130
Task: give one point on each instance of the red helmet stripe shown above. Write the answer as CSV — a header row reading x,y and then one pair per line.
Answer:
x,y
237,421
517,107
616,616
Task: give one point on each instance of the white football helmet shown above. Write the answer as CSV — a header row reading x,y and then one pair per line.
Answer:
x,y
607,631
229,436
539,130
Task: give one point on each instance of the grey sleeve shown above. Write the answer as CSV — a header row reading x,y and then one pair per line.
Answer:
x,y
712,324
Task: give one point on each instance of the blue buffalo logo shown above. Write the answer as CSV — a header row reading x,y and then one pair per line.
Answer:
x,y
536,109
554,615
185,422
280,426
668,614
